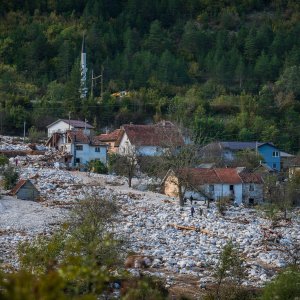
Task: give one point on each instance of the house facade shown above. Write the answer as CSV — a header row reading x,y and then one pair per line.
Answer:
x,y
149,140
80,147
63,125
237,184
270,154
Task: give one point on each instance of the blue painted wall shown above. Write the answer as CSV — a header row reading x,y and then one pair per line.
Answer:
x,y
267,151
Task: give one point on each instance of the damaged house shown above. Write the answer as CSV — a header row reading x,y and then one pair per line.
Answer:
x,y
63,125
78,146
238,184
149,140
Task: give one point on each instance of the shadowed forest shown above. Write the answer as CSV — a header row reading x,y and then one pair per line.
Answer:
x,y
227,70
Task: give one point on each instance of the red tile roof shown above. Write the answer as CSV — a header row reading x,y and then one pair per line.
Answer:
x,y
162,134
201,176
78,136
249,177
110,137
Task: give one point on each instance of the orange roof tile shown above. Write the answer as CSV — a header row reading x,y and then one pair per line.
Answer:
x,y
162,134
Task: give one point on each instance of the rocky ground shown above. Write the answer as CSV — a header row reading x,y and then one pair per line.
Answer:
x,y
176,245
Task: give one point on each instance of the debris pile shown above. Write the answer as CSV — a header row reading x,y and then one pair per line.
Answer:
x,y
166,239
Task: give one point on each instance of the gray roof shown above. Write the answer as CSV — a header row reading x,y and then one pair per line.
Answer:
x,y
242,145
74,123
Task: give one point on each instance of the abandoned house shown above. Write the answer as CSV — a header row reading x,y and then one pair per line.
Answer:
x,y
238,184
25,190
63,125
79,146
149,140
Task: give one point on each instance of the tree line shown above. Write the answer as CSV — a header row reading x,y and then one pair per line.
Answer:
x,y
229,68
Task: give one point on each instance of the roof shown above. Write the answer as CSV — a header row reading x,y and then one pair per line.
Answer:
x,y
201,176
17,187
73,123
242,145
110,137
163,134
235,146
78,136
285,154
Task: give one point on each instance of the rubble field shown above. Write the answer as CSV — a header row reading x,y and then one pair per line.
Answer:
x,y
173,244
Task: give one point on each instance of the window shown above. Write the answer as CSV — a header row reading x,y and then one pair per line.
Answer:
x,y
251,201
274,166
77,160
231,187
275,154
211,188
251,187
79,147
97,149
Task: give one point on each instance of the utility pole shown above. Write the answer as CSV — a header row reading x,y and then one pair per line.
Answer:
x,y
24,131
101,83
69,120
102,69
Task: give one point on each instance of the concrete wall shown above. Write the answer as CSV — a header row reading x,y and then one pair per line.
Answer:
x,y
62,126
88,153
220,190
255,192
126,146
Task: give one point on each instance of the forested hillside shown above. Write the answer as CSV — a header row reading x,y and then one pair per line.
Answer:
x,y
226,69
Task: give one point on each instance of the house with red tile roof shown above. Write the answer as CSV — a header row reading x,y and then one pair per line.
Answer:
x,y
79,147
112,139
62,125
149,140
240,185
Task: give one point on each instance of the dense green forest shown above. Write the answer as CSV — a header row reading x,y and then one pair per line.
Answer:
x,y
228,70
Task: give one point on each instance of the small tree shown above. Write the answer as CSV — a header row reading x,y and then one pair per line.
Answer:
x,y
180,161
10,177
125,165
230,268
35,135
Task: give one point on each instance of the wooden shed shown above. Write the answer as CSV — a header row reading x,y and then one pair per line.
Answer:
x,y
25,190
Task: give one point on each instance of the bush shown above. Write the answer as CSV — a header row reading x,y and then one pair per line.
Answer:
x,y
10,177
222,204
97,166
35,135
3,160
286,286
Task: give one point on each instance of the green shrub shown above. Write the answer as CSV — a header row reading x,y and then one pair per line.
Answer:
x,y
3,160
286,286
97,166
35,135
10,177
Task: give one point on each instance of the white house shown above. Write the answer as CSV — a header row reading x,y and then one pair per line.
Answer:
x,y
62,125
236,183
80,147
149,140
